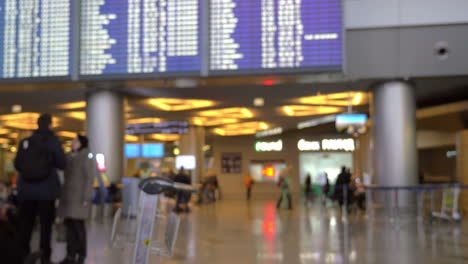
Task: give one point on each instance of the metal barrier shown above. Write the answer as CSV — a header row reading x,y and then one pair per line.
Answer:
x,y
421,201
154,230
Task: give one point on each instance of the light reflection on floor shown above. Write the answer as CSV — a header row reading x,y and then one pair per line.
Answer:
x,y
255,232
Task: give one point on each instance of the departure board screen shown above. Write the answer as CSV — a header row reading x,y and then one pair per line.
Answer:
x,y
140,37
275,36
35,38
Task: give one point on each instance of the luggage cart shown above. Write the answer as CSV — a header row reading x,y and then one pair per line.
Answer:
x,y
154,230
449,208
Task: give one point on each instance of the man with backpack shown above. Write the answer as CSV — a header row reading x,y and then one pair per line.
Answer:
x,y
37,161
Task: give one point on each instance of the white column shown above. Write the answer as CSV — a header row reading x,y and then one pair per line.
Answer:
x,y
106,129
395,134
395,151
192,143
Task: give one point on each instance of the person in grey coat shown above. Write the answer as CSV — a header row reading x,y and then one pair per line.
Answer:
x,y
75,199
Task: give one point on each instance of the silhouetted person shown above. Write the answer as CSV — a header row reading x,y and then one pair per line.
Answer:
x,y
183,197
37,161
248,182
342,191
308,188
285,184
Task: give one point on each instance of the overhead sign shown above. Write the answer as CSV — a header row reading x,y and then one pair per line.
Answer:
x,y
275,35
338,144
262,146
317,122
304,145
270,132
140,37
36,38
327,145
171,127
351,123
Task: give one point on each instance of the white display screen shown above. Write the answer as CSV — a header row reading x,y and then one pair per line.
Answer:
x,y
187,162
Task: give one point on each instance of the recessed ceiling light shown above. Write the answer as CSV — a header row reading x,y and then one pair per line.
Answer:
x,y
76,115
247,128
164,137
306,110
16,109
233,112
336,99
259,102
145,120
173,104
73,106
67,134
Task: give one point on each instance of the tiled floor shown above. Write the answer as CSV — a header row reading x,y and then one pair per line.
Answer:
x,y
241,232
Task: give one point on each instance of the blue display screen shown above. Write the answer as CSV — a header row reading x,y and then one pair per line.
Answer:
x,y
140,37
275,35
153,150
35,38
132,151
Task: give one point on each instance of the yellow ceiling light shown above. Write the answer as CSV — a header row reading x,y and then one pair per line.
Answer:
x,y
263,125
67,134
248,128
76,115
247,113
131,138
357,99
29,117
305,110
73,106
21,126
173,104
13,135
336,99
164,137
24,121
4,131
288,110
233,112
146,120
205,121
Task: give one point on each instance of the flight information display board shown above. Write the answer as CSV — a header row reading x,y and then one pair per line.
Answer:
x,y
140,37
35,38
262,36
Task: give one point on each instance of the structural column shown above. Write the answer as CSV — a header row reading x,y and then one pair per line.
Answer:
x,y
106,129
395,134
462,166
192,143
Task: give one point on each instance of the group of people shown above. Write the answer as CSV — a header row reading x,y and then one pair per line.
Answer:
x,y
38,160
284,183
347,189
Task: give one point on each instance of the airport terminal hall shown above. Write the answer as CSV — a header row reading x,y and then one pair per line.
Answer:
x,y
233,131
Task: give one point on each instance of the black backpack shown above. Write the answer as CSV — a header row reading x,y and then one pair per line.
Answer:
x,y
35,165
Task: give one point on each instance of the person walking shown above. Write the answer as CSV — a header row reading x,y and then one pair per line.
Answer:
x,y
37,161
307,189
285,184
183,197
248,182
75,199
342,190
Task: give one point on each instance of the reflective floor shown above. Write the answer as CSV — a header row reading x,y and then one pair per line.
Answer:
x,y
255,232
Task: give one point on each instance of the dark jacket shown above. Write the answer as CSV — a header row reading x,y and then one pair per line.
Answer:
x,y
48,189
78,188
183,178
